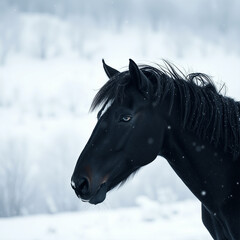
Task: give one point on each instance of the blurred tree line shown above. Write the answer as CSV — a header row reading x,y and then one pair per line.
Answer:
x,y
220,15
47,28
214,20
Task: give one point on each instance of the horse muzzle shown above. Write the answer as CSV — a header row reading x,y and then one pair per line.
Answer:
x,y
88,192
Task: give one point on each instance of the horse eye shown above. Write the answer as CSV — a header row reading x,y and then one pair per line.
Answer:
x,y
126,118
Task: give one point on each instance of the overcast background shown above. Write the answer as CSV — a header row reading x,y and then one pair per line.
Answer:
x,y
50,69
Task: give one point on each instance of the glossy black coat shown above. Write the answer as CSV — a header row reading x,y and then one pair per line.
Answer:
x,y
141,123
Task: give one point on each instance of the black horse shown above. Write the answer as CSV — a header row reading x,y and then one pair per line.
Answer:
x,y
150,111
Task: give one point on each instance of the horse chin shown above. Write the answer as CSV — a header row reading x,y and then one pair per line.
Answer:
x,y
100,195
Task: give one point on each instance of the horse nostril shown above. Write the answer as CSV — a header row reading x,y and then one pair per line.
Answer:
x,y
81,186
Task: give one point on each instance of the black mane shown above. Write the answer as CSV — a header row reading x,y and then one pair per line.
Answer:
x,y
205,111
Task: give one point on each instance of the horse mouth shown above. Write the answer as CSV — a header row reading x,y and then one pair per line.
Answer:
x,y
100,195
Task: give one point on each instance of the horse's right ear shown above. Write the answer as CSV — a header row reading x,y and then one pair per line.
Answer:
x,y
109,70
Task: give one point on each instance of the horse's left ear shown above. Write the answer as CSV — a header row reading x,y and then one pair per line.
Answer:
x,y
109,70
138,76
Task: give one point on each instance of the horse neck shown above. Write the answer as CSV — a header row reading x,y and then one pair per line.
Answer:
x,y
197,163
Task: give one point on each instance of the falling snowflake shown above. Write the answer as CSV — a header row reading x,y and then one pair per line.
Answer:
x,y
203,193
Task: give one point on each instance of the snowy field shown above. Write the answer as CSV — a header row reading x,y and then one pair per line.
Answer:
x,y
148,221
47,82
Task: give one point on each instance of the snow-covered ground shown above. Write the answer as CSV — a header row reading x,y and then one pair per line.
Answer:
x,y
151,221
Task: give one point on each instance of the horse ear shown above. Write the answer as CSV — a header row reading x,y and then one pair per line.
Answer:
x,y
109,70
138,76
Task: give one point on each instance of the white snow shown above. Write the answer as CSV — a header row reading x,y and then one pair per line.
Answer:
x,y
149,221
203,193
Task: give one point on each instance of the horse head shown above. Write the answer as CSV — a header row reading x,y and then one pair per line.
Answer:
x,y
125,138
